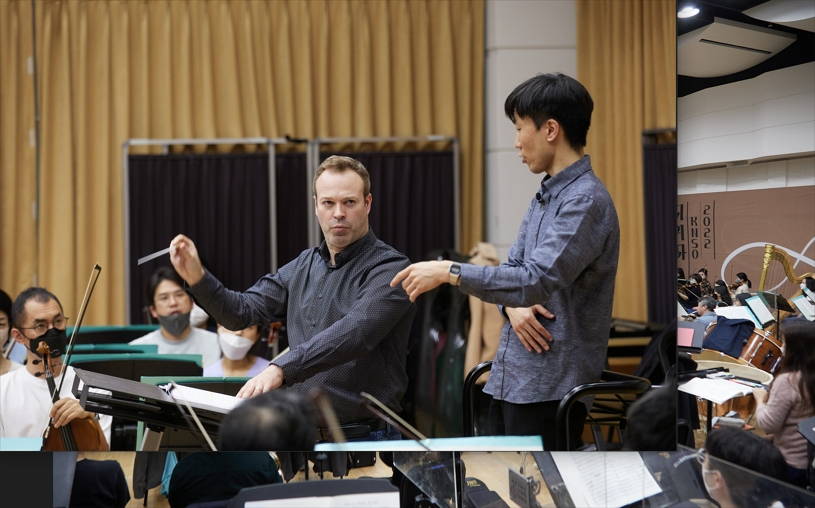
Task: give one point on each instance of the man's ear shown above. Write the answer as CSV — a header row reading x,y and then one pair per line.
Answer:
x,y
315,204
18,336
552,130
153,312
368,199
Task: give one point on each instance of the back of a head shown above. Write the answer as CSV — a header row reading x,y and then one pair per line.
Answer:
x,y
5,303
747,450
279,420
557,97
652,420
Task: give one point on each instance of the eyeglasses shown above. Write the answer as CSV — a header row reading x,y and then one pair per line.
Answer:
x,y
59,323
165,298
700,455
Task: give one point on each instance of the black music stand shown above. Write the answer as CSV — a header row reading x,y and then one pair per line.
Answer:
x,y
135,401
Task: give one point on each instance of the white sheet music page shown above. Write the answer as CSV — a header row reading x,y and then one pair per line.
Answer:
x,y
370,500
736,312
605,479
715,390
204,399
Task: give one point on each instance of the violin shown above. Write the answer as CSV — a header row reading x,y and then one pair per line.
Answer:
x,y
81,434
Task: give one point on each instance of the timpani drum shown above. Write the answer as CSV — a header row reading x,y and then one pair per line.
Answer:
x,y
762,351
745,406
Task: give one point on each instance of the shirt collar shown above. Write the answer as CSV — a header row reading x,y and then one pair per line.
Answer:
x,y
554,184
348,253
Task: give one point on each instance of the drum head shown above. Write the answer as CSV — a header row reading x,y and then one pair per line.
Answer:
x,y
716,356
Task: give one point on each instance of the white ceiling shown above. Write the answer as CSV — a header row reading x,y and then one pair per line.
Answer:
x,y
725,47
792,13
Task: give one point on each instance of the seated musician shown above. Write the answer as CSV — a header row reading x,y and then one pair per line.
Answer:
x,y
704,285
732,487
242,353
791,397
690,293
348,329
722,293
25,400
741,286
6,365
705,310
171,305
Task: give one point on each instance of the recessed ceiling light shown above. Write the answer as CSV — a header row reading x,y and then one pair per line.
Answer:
x,y
687,12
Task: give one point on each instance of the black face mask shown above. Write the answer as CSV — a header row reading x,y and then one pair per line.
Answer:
x,y
55,339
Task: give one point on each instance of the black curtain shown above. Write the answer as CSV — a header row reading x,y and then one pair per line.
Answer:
x,y
220,201
413,208
659,180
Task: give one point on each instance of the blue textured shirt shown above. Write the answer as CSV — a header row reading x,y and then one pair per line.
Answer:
x,y
565,258
348,329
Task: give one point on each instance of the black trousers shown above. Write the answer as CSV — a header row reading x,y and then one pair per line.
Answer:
x,y
538,418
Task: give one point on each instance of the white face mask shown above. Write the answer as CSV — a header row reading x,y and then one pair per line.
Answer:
x,y
234,346
704,480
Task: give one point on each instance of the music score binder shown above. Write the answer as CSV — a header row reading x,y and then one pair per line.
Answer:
x,y
135,401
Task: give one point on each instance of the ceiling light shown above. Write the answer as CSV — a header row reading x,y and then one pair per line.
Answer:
x,y
687,12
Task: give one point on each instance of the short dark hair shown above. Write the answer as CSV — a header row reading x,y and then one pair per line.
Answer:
x,y
557,97
161,274
749,451
680,273
703,270
652,420
340,164
708,302
5,304
37,294
279,420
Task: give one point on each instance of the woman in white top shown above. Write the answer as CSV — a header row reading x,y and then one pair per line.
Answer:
x,y
6,365
242,352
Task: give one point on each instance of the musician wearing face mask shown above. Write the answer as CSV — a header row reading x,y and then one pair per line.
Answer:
x,y
25,400
238,348
6,365
171,306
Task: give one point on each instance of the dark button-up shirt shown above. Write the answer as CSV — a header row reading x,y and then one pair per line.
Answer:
x,y
348,329
565,258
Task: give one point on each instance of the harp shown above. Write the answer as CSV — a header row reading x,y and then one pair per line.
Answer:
x,y
773,252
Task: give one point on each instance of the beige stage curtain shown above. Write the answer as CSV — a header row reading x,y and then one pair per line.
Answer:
x,y
113,70
626,58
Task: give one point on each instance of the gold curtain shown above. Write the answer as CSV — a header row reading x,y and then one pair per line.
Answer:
x,y
114,70
626,58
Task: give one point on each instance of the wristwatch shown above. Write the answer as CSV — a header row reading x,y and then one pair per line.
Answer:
x,y
455,274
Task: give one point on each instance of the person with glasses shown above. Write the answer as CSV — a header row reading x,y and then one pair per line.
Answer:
x,y
727,453
25,401
171,305
6,365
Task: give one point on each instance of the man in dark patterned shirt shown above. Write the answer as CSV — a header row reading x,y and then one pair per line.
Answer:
x,y
348,330
557,287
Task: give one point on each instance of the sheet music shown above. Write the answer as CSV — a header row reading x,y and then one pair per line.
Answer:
x,y
715,390
737,312
620,478
760,310
371,500
203,398
804,307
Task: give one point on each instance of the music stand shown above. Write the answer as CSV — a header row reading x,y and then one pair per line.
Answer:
x,y
134,401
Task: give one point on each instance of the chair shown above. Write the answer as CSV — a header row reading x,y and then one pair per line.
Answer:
x,y
99,349
610,410
135,365
110,334
469,402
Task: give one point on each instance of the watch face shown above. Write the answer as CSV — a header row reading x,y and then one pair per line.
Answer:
x,y
455,269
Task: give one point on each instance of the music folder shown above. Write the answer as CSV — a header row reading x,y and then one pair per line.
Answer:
x,y
690,335
775,301
135,401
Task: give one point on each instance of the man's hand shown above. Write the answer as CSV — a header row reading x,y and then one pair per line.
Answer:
x,y
186,262
760,395
269,379
66,410
527,327
420,278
